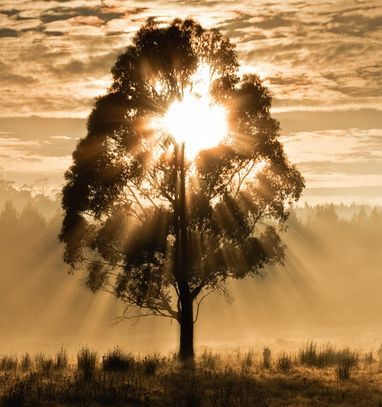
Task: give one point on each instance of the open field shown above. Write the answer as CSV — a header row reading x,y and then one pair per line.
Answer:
x,y
313,376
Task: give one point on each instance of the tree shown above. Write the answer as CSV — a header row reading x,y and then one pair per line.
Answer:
x,y
158,230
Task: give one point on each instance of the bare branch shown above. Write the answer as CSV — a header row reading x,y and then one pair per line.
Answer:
x,y
243,177
198,304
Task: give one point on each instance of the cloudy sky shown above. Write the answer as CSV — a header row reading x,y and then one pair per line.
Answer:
x,y
322,61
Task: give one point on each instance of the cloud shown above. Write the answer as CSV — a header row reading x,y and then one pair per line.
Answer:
x,y
269,22
93,66
8,32
357,167
354,24
36,148
87,20
320,60
64,13
337,158
312,56
10,12
311,121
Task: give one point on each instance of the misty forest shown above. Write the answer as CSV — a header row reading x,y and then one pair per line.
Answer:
x,y
177,263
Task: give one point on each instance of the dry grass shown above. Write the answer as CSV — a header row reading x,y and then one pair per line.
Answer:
x,y
235,379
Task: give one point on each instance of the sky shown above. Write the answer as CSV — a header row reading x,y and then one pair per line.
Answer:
x,y
322,61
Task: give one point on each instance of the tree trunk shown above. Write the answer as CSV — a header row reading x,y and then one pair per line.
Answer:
x,y
182,259
186,322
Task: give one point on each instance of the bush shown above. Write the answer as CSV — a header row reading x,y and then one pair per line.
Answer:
x,y
117,360
87,362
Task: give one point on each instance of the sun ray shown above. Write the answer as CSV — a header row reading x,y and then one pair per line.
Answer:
x,y
196,119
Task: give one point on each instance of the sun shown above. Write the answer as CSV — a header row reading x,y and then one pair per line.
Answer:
x,y
197,123
197,120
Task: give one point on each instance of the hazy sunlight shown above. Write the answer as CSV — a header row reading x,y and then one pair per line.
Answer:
x,y
197,120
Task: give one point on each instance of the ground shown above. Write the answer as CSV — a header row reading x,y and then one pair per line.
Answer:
x,y
311,377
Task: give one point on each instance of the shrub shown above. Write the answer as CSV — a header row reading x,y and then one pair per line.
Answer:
x,y
86,362
267,354
117,360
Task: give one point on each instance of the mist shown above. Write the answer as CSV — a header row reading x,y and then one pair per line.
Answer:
x,y
327,290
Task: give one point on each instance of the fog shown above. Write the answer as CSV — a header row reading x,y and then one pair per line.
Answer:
x,y
328,289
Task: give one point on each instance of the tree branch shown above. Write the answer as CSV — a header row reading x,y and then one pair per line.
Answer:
x,y
198,305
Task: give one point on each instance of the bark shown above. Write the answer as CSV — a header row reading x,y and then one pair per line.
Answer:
x,y
186,322
182,258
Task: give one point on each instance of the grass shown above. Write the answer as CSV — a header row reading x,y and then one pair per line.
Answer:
x,y
8,363
267,355
344,359
87,363
284,362
117,361
319,376
44,363
61,359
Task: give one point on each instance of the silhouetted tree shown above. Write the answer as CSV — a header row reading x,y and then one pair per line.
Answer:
x,y
123,220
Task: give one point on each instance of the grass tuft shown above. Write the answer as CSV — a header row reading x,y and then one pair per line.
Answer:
x,y
247,362
87,363
117,361
216,380
346,362
26,362
267,356
8,363
209,360
61,359
44,363
284,362
151,364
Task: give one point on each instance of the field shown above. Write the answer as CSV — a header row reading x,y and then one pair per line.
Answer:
x,y
313,376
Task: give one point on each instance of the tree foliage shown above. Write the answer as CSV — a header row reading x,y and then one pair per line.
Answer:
x,y
120,193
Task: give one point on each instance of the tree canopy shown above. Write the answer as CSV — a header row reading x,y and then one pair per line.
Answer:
x,y
121,190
